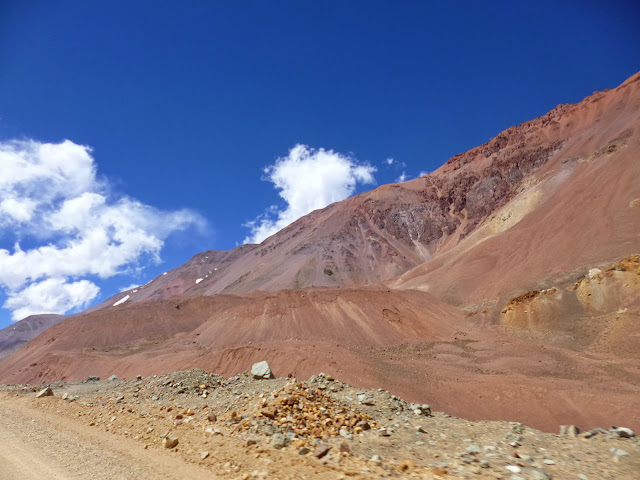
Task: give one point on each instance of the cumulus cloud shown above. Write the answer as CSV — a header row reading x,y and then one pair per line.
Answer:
x,y
51,197
308,179
53,295
390,161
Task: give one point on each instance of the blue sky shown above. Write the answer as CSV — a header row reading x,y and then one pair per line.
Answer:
x,y
196,115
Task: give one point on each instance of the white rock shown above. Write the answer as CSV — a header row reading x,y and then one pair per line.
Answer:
x,y
261,370
47,392
623,432
513,468
594,272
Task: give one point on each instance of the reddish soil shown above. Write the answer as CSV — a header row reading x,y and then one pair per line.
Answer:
x,y
407,342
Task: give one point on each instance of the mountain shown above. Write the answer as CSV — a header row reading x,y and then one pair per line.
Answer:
x,y
15,336
542,200
504,285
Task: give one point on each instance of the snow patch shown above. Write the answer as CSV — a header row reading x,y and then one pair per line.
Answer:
x,y
122,300
199,280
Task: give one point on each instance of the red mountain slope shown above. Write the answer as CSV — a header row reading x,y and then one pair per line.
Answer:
x,y
547,198
505,231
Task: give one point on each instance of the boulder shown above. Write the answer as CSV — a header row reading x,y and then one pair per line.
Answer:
x,y
47,392
261,370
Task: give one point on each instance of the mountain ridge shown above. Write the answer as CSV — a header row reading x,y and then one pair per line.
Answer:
x,y
472,288
381,235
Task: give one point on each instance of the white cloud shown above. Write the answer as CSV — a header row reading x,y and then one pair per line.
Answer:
x,y
423,173
390,161
50,196
402,177
54,295
16,210
308,179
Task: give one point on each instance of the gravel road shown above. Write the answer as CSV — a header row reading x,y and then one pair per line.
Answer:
x,y
34,445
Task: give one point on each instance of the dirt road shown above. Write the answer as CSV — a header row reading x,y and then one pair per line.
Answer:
x,y
34,445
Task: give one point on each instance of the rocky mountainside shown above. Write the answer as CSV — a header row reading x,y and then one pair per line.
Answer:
x,y
546,199
502,286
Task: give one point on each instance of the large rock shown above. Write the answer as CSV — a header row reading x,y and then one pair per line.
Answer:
x,y
261,370
47,392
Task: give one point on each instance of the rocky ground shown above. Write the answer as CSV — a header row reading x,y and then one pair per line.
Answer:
x,y
249,428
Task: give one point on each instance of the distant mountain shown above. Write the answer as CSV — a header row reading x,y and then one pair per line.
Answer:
x,y
16,335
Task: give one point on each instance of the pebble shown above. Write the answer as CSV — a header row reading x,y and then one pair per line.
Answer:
x,y
169,441
622,432
366,399
618,454
473,449
376,459
517,428
534,473
279,441
321,450
570,431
